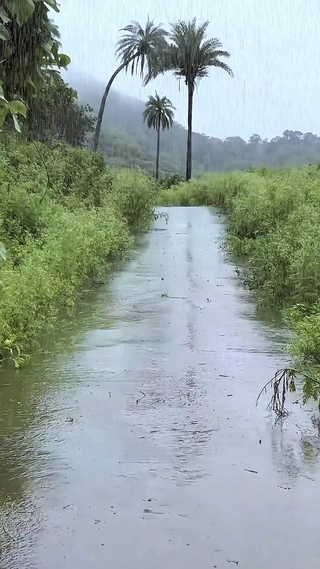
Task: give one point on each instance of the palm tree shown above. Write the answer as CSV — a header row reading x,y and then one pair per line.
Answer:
x,y
138,48
190,57
158,114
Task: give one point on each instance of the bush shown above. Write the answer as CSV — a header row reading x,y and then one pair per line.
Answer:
x,y
172,180
133,197
60,235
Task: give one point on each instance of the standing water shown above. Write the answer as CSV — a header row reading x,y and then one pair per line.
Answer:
x,y
138,444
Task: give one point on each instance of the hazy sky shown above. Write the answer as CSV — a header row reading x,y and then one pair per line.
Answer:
x,y
275,56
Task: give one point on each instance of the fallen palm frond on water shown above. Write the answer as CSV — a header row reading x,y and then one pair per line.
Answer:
x,y
283,382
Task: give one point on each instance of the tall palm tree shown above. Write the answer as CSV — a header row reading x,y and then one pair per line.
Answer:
x,y
138,48
190,57
158,114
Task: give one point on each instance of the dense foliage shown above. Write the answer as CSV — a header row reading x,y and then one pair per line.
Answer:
x,y
59,236
274,220
30,57
55,114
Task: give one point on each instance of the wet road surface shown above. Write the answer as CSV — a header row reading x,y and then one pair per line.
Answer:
x,y
137,443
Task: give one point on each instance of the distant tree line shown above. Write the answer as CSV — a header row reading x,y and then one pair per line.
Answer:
x,y
293,148
130,143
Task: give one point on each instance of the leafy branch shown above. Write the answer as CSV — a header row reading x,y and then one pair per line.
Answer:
x,y
283,382
12,108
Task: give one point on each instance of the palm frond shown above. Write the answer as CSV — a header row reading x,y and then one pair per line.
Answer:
x,y
144,45
191,54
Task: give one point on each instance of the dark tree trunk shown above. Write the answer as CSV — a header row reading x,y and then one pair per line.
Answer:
x,y
103,101
189,139
158,151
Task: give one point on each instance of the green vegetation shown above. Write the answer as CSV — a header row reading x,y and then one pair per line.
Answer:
x,y
56,115
64,215
158,115
57,245
30,56
274,222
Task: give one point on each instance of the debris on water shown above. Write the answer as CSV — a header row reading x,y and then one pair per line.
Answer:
x,y
146,511
143,396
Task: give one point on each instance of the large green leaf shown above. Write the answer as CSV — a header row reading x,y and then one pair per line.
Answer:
x,y
16,123
18,107
3,252
4,34
3,100
4,16
21,9
64,59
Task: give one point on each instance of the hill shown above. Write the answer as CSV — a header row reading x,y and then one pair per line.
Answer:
x,y
126,141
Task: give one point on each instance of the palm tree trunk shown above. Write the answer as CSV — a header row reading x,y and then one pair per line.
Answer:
x,y
189,139
158,151
104,98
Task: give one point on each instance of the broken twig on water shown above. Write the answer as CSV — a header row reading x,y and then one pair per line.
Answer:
x,y
283,382
143,396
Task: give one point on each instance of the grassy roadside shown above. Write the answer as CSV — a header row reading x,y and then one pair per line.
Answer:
x,y
274,220
64,217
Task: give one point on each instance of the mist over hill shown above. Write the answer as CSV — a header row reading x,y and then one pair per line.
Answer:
x,y
125,139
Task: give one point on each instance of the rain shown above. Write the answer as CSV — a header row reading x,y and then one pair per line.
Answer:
x,y
144,323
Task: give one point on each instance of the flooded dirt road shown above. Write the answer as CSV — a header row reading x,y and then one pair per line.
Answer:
x,y
137,442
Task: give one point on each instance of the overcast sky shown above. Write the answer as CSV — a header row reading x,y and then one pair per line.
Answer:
x,y
275,56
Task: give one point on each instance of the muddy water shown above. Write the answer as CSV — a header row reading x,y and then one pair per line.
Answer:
x,y
137,442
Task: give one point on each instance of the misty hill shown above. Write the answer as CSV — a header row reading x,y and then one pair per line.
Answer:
x,y
125,140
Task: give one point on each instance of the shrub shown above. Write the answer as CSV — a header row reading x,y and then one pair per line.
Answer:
x,y
60,235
